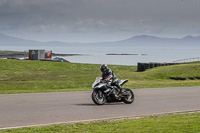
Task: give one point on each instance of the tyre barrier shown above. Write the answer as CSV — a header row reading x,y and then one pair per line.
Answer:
x,y
143,66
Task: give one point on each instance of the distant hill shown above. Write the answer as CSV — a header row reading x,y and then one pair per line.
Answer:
x,y
152,41
6,40
136,41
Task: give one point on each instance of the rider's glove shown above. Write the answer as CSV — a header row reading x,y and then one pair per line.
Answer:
x,y
106,79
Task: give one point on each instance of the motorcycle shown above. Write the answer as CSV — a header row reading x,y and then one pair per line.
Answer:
x,y
103,93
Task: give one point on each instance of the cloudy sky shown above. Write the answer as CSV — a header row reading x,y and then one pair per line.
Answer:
x,y
98,20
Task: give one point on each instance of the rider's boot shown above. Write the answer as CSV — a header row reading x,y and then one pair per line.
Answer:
x,y
120,92
115,93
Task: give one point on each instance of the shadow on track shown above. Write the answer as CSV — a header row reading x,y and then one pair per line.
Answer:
x,y
85,104
92,104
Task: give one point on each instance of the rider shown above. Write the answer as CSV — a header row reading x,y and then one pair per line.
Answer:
x,y
109,76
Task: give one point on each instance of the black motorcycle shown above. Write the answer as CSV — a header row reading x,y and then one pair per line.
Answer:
x,y
103,93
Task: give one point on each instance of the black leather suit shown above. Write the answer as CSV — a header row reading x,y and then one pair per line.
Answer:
x,y
111,78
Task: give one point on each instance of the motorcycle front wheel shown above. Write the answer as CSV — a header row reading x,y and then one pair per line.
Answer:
x,y
98,97
128,96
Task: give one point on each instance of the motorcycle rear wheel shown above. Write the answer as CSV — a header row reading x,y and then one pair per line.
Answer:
x,y
98,97
130,96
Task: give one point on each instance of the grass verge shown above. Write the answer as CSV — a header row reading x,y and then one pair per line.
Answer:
x,y
174,123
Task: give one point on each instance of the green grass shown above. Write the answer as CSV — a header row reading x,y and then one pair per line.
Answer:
x,y
175,123
25,76
10,52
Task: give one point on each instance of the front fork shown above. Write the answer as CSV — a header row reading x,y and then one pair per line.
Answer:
x,y
99,93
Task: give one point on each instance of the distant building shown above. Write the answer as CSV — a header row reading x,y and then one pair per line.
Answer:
x,y
40,55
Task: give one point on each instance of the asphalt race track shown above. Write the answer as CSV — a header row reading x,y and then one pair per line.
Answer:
x,y
39,109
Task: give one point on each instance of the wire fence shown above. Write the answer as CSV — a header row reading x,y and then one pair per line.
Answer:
x,y
187,60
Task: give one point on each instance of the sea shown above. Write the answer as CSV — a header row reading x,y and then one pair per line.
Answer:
x,y
117,55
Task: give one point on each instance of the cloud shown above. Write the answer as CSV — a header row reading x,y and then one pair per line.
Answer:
x,y
95,18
